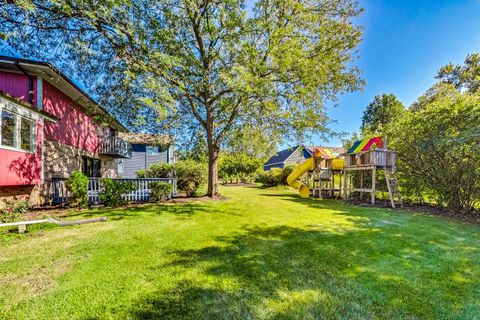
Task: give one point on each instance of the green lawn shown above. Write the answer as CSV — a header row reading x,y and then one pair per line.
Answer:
x,y
263,254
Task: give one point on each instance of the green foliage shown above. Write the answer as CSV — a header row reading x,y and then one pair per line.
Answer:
x,y
158,170
160,190
383,110
12,210
275,176
112,191
190,174
77,185
462,77
438,147
238,166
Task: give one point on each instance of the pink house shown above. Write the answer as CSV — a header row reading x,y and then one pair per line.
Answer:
x,y
49,128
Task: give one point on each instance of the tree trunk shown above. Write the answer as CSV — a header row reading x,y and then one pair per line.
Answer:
x,y
212,170
213,150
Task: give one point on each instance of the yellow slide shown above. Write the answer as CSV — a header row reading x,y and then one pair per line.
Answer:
x,y
297,173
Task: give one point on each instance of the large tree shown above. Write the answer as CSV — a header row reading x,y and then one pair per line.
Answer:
x,y
217,65
380,112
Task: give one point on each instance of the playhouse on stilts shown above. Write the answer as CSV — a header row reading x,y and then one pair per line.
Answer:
x,y
363,161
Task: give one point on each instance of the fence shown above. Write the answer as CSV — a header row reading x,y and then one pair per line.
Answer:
x,y
141,192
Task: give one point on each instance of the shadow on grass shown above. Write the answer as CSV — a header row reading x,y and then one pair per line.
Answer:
x,y
305,273
182,210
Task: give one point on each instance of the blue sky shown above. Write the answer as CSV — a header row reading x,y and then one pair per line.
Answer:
x,y
405,42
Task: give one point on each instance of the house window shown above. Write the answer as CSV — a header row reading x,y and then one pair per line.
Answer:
x,y
91,167
153,150
121,167
17,131
27,134
9,120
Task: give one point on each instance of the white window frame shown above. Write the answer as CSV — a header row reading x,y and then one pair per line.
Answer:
x,y
19,113
120,164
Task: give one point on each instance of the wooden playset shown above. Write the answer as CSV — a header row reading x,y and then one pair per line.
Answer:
x,y
331,175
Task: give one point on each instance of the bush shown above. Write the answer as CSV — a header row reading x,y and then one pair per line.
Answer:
x,y
190,174
275,176
77,185
438,150
160,191
112,192
238,166
12,210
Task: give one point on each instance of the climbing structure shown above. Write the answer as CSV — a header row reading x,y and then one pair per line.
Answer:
x,y
367,157
327,173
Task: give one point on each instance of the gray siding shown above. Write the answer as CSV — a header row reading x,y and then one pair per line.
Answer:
x,y
140,160
295,157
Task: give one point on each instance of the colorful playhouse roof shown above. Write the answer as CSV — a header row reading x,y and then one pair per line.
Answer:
x,y
366,144
323,152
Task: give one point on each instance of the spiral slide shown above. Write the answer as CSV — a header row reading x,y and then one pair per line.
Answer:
x,y
305,166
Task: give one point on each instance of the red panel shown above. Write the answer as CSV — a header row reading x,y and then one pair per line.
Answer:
x,y
21,168
378,141
74,127
16,84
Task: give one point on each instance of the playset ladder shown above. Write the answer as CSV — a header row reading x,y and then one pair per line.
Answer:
x,y
393,191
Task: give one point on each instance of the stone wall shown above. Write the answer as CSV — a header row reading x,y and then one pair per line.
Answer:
x,y
21,193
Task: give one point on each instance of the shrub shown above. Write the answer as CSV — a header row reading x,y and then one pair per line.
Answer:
x,y
160,190
158,170
267,179
275,176
190,174
77,185
12,210
112,192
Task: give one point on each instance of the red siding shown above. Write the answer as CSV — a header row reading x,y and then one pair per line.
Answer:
x,y
16,84
21,168
74,127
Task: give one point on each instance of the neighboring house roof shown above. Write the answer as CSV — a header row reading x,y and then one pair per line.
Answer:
x,y
44,114
281,156
146,138
59,80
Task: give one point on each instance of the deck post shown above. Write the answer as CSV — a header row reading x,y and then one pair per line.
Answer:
x,y
374,177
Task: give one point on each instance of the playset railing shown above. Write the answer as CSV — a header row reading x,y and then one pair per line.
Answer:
x,y
378,157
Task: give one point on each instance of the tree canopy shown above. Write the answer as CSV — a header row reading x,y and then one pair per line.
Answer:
x,y
217,65
380,112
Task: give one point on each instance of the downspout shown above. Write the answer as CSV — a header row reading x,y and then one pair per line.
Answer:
x,y
30,82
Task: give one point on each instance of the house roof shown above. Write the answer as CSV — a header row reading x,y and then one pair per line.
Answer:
x,y
281,156
146,138
43,113
59,80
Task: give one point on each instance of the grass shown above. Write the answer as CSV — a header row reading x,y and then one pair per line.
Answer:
x,y
260,255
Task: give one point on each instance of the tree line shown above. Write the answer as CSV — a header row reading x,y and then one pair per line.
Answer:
x,y
437,138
